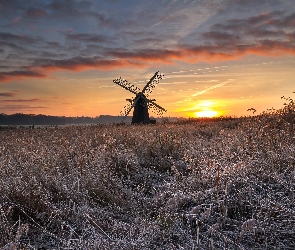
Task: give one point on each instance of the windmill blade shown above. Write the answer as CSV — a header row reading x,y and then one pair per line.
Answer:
x,y
128,107
152,83
126,85
155,108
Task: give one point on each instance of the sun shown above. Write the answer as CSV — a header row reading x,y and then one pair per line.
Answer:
x,y
204,108
206,113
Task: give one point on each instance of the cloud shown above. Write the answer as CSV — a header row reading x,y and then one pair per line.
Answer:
x,y
127,41
21,39
35,13
259,33
69,7
152,55
264,34
18,74
237,38
86,37
7,94
240,24
74,10
284,22
235,51
23,100
8,6
221,36
78,64
17,107
138,58
9,45
291,35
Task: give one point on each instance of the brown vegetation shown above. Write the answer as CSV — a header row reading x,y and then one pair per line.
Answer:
x,y
198,185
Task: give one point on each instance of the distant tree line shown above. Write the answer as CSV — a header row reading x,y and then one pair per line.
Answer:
x,y
30,119
20,119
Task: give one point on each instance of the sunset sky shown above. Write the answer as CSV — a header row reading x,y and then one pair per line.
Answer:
x,y
219,57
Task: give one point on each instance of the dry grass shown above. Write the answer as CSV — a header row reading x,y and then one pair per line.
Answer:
x,y
198,185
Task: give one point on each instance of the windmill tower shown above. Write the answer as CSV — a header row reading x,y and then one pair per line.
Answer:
x,y
140,102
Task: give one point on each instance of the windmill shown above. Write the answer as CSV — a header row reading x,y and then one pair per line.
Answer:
x,y
140,102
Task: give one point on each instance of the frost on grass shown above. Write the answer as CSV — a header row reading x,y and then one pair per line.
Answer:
x,y
197,185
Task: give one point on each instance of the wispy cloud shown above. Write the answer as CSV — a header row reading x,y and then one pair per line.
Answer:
x,y
148,55
17,107
35,12
212,87
18,74
17,38
207,80
22,100
7,94
79,64
90,38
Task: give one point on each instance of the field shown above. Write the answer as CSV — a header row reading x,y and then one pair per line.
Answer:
x,y
226,184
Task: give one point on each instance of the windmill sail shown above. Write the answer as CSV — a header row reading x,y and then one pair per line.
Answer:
x,y
157,109
147,90
126,85
126,110
128,107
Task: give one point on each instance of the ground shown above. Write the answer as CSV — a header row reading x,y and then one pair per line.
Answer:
x,y
198,184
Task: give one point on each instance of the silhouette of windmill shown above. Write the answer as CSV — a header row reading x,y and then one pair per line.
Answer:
x,y
140,102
